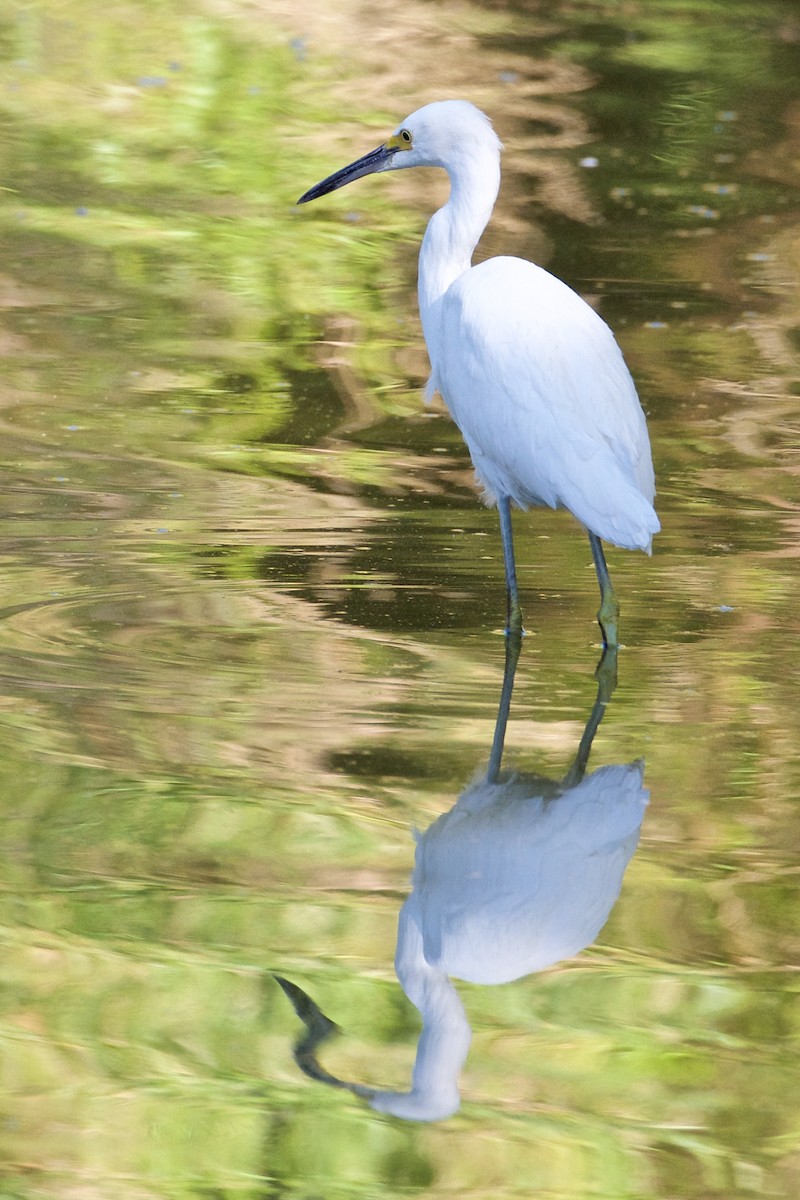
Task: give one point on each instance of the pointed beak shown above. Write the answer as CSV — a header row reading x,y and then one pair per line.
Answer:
x,y
376,160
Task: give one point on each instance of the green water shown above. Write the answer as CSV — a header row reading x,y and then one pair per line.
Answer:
x,y
251,606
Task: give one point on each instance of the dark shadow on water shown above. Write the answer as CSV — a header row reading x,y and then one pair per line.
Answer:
x,y
522,872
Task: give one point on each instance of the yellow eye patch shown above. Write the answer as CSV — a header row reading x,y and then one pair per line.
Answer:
x,y
400,141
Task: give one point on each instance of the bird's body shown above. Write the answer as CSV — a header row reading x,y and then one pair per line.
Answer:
x,y
555,427
531,375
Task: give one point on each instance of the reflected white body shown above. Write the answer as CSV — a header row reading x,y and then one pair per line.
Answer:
x,y
517,876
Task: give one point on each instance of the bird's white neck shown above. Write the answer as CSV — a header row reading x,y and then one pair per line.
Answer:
x,y
452,235
445,1037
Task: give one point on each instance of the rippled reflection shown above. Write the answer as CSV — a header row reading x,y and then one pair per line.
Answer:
x,y
522,872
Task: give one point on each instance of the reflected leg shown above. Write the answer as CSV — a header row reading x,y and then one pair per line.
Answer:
x,y
513,647
606,676
608,613
514,625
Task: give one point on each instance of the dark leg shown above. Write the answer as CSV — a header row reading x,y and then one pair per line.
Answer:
x,y
514,625
608,613
513,647
606,676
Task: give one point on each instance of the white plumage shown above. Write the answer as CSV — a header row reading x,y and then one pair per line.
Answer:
x,y
591,458
518,875
530,373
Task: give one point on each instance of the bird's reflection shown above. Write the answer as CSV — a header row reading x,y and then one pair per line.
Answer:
x,y
522,872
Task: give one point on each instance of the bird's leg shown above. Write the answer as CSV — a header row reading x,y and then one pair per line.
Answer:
x,y
513,647
608,613
606,676
514,625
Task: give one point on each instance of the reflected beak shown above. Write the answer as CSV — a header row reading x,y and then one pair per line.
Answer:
x,y
376,160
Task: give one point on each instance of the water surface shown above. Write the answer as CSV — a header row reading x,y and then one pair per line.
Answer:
x,y
251,605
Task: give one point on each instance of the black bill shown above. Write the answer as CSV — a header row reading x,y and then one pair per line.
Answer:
x,y
376,160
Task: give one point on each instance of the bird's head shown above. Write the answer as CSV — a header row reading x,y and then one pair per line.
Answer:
x,y
437,135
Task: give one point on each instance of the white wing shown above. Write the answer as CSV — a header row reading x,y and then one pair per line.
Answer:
x,y
514,879
538,387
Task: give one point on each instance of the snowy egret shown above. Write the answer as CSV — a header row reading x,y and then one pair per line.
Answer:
x,y
522,872
530,373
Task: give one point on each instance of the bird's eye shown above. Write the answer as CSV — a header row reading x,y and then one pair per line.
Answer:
x,y
402,140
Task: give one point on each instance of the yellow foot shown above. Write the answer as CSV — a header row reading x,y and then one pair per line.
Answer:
x,y
608,618
606,674
514,626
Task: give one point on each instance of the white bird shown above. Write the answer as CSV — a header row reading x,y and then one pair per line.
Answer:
x,y
530,373
517,876
523,871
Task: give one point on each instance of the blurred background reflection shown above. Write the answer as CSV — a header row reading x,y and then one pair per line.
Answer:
x,y
250,602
